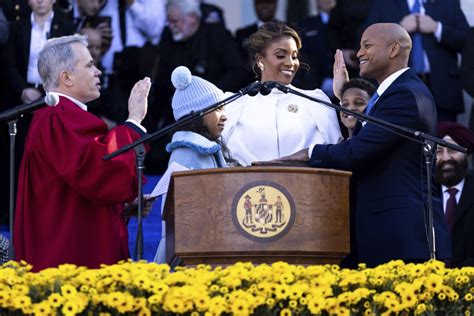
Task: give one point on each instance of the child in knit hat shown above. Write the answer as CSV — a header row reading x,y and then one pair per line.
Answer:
x,y
196,145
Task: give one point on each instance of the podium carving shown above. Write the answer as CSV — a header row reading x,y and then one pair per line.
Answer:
x,y
258,214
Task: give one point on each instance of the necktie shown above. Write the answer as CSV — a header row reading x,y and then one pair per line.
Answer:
x,y
417,57
450,207
371,103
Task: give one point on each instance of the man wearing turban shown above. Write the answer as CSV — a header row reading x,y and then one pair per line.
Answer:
x,y
457,187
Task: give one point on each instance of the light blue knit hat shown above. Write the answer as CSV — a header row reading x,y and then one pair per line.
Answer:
x,y
192,93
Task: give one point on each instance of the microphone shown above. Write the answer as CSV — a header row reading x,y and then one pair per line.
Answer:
x,y
281,87
51,99
267,87
252,89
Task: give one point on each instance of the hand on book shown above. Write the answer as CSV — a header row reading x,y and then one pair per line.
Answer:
x,y
301,155
131,209
299,158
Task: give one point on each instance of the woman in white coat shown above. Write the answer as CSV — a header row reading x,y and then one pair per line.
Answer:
x,y
267,127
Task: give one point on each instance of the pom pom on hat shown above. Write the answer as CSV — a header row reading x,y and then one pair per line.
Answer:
x,y
192,93
181,77
462,135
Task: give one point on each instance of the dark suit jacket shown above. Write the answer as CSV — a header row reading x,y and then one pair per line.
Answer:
x,y
467,70
18,51
390,190
347,22
463,230
445,77
242,35
315,52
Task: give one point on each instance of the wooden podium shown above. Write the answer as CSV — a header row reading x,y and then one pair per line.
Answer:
x,y
258,214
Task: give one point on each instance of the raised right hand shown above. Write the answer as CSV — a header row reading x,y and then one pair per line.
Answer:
x,y
340,73
138,101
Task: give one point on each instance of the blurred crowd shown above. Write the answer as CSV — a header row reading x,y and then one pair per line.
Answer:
x,y
130,39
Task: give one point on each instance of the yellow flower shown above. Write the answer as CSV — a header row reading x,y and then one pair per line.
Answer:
x,y
115,299
420,309
468,297
408,299
240,307
174,305
4,297
42,308
282,291
202,302
285,312
217,305
292,304
434,283
316,304
224,290
67,289
55,299
155,299
70,308
21,289
214,288
21,301
270,302
454,297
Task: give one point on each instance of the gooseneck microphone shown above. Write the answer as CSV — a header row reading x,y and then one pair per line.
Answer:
x,y
51,99
252,89
255,87
267,87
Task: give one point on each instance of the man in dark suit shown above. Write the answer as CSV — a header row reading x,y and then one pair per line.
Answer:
x,y
457,186
21,60
390,208
315,50
440,28
467,71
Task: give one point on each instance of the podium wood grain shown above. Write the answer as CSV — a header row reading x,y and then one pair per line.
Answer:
x,y
200,228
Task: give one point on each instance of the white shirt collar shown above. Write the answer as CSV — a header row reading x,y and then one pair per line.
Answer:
x,y
47,23
78,103
389,80
458,186
445,193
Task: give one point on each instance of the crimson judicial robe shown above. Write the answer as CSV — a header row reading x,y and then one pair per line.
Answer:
x,y
70,201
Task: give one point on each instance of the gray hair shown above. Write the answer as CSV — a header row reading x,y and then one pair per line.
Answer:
x,y
187,7
57,55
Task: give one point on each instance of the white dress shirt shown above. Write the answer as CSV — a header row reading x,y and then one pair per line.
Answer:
x,y
144,20
39,36
444,189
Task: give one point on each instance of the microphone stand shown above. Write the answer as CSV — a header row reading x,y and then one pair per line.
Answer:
x,y
251,89
429,144
12,131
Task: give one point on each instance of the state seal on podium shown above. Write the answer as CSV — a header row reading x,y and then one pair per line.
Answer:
x,y
263,211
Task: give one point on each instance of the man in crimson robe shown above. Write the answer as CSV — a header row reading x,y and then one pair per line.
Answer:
x,y
70,201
